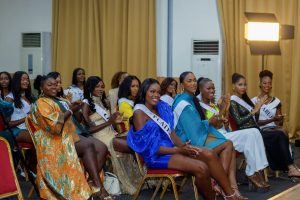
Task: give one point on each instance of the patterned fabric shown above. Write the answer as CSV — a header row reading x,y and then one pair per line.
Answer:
x,y
241,116
191,127
147,141
59,174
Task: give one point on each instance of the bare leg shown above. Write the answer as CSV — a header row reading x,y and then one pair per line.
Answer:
x,y
225,153
120,145
87,153
199,169
216,170
101,152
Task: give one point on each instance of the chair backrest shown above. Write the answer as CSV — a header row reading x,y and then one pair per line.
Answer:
x,y
1,123
9,185
232,123
30,127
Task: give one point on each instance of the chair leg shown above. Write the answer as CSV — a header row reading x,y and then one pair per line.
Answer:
x,y
266,175
195,188
157,188
241,164
183,183
137,193
165,187
30,193
174,188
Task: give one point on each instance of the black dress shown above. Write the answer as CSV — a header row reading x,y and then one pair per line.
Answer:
x,y
275,140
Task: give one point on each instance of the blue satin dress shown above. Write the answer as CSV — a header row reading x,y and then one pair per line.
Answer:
x,y
147,141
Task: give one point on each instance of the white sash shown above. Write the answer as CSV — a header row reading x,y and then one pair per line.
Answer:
x,y
99,110
159,121
266,108
199,97
178,110
166,98
130,102
209,108
241,102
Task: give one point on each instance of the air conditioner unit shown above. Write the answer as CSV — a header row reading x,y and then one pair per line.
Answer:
x,y
206,62
36,53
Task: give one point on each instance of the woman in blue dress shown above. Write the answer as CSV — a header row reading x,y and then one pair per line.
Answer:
x,y
152,136
191,125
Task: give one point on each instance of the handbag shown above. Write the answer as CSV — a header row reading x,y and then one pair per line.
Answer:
x,y
112,184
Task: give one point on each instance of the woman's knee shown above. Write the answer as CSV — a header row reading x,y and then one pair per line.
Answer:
x,y
229,145
201,170
209,154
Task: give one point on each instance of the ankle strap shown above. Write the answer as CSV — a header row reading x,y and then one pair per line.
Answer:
x,y
229,196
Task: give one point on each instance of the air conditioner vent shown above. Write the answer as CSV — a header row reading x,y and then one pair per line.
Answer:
x,y
31,39
205,47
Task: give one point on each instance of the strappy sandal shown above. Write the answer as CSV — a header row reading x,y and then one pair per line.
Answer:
x,y
238,194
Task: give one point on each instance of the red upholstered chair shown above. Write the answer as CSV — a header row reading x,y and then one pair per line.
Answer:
x,y
9,185
161,175
1,123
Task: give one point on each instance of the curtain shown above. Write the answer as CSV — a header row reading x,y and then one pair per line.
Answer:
x,y
285,67
103,37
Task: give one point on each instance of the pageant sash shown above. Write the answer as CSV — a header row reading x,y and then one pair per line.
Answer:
x,y
266,108
241,102
130,102
209,108
199,97
178,110
102,112
159,121
166,98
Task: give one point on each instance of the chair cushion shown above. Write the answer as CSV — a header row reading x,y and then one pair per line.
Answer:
x,y
163,171
7,181
25,145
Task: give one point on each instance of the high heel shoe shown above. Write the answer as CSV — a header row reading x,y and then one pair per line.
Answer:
x,y
294,173
255,184
238,194
263,181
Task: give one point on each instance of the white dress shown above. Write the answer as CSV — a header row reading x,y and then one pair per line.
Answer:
x,y
77,93
247,141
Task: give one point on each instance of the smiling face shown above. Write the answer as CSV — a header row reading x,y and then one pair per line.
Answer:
x,y
190,83
99,89
4,80
152,95
171,89
80,76
208,90
49,87
24,82
240,87
266,84
134,88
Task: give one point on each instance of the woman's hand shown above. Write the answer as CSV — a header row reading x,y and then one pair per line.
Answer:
x,y
188,150
75,106
116,118
259,103
278,118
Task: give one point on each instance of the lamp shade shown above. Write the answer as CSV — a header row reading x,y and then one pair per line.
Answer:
x,y
262,31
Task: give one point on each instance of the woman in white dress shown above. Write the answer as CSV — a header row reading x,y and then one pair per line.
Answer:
x,y
168,90
248,141
75,91
22,99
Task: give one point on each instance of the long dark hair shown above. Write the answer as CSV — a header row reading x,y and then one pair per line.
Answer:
x,y
165,84
235,78
141,95
89,87
124,88
55,75
16,89
74,76
195,100
9,84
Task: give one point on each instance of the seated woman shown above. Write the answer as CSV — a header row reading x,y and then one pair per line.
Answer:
x,y
5,85
152,136
127,94
97,117
168,90
87,148
59,173
248,141
245,113
116,81
75,91
22,99
270,121
190,125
